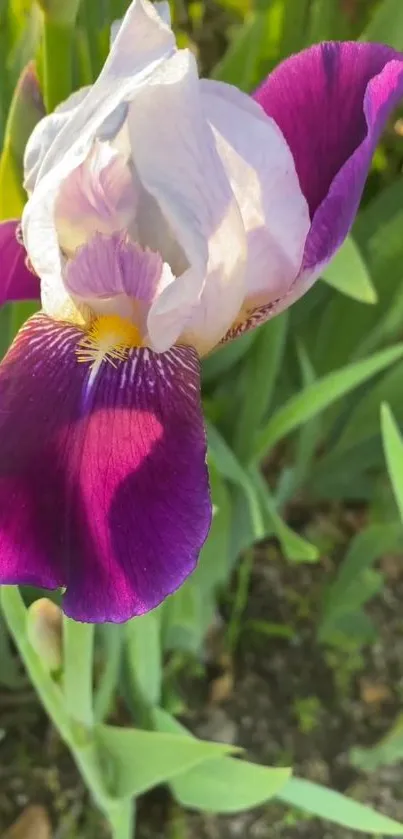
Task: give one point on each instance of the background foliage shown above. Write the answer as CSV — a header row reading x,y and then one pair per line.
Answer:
x,y
294,430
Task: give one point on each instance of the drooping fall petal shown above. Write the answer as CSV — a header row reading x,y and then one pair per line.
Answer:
x,y
103,480
17,281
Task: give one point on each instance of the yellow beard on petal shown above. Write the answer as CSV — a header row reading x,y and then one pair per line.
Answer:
x,y
108,338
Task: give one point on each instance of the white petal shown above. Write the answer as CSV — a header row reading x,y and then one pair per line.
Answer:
x,y
163,10
177,163
44,134
142,43
262,172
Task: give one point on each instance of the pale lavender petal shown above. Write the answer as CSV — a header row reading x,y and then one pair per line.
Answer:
x,y
332,102
17,281
111,265
103,479
98,196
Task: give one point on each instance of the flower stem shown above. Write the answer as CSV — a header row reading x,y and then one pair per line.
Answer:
x,y
107,681
78,644
71,712
58,63
122,821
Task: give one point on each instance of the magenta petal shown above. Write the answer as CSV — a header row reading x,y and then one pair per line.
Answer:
x,y
103,479
17,282
331,103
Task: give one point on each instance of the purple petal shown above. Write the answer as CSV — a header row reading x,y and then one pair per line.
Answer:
x,y
103,480
17,281
332,102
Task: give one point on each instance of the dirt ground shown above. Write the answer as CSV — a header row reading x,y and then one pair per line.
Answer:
x,y
284,699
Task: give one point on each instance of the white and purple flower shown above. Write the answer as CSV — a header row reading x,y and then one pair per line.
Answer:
x,y
166,214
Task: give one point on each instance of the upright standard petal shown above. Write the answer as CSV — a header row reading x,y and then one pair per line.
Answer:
x,y
97,197
262,173
187,179
103,479
143,42
45,133
17,281
332,102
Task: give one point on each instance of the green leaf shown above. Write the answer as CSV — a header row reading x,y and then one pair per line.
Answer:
x,y
260,371
386,25
393,446
327,22
352,586
239,66
378,234
295,26
294,547
213,566
337,808
25,111
225,785
387,752
62,12
322,393
10,674
224,358
227,465
143,655
139,760
112,648
363,422
184,616
348,273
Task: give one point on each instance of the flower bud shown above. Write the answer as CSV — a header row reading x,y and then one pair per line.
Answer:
x,y
44,630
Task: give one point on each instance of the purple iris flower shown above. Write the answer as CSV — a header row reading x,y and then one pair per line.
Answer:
x,y
166,214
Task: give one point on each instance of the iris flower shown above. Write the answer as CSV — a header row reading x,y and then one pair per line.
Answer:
x,y
166,215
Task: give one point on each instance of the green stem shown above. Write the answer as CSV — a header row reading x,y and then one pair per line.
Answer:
x,y
14,612
68,716
58,62
122,821
75,736
78,644
113,646
241,598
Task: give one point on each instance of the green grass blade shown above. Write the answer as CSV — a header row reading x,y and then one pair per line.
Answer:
x,y
337,808
393,446
318,396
